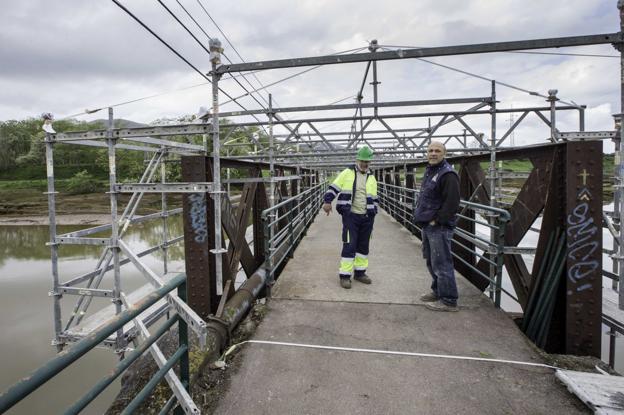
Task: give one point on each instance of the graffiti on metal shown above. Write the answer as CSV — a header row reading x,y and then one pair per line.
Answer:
x,y
582,230
197,215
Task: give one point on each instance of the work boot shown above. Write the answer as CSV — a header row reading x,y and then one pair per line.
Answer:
x,y
429,298
345,283
364,279
440,306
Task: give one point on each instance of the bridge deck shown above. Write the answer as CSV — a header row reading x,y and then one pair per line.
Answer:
x,y
309,307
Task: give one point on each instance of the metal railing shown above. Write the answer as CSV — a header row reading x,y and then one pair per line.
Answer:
x,y
30,383
285,224
399,202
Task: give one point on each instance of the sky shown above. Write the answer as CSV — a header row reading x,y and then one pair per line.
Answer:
x,y
67,56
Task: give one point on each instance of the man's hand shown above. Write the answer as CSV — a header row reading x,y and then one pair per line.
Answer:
x,y
327,208
432,223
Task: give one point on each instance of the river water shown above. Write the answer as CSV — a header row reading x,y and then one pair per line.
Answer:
x,y
26,320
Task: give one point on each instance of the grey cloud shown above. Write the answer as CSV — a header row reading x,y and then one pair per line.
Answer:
x,y
70,54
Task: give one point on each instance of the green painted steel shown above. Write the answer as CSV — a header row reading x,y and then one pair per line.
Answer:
x,y
153,382
29,384
120,367
183,342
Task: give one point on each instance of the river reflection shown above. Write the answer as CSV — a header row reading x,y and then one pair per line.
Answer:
x,y
26,319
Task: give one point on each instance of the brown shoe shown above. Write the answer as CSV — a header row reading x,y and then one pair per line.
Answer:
x,y
440,306
364,279
345,283
429,298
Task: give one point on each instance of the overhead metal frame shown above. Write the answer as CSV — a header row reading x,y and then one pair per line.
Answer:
x,y
338,143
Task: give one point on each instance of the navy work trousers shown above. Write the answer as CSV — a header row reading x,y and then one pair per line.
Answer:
x,y
356,234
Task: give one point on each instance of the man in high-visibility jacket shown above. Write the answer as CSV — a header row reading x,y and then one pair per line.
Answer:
x,y
356,188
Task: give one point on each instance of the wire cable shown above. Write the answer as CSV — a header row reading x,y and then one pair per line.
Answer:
x,y
88,111
535,93
179,55
121,6
299,73
385,352
198,41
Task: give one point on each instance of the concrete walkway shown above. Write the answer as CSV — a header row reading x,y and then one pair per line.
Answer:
x,y
309,307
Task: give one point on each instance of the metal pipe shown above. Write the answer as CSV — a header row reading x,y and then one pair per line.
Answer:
x,y
352,153
215,58
271,228
114,239
620,172
183,340
493,173
552,98
612,335
163,198
373,48
237,307
35,379
605,38
55,293
389,104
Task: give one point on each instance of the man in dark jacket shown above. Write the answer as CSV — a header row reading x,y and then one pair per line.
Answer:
x,y
435,213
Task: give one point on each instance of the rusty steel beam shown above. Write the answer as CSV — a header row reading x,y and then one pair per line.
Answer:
x,y
467,190
260,203
197,214
238,244
583,285
231,223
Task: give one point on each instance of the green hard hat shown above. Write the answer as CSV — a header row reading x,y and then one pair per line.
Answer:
x,y
365,154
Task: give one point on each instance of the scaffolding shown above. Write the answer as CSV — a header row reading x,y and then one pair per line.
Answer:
x,y
317,148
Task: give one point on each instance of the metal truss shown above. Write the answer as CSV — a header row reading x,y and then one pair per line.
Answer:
x,y
306,140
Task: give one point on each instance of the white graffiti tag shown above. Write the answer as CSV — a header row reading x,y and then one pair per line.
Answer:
x,y
198,216
582,229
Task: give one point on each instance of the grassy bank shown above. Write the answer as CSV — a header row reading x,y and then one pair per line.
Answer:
x,y
27,198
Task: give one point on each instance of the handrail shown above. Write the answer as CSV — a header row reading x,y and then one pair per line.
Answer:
x,y
400,203
54,366
279,243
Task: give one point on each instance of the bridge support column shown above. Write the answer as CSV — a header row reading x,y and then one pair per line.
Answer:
x,y
199,236
583,283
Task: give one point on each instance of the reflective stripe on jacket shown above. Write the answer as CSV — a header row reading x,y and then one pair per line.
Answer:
x,y
344,188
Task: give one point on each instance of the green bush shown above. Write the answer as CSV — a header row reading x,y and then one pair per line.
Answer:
x,y
82,182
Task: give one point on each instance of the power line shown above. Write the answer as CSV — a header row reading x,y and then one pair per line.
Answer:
x,y
179,55
231,44
87,111
198,41
160,39
491,80
298,73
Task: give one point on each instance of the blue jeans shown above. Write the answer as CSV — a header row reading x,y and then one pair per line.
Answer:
x,y
436,244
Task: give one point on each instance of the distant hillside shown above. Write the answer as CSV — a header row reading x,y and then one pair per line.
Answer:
x,y
120,123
